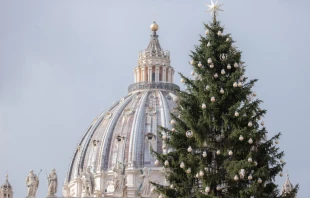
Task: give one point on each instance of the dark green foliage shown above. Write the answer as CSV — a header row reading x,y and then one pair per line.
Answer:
x,y
219,127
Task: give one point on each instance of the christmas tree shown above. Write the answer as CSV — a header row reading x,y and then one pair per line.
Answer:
x,y
218,145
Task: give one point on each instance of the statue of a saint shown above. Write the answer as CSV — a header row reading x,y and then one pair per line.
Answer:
x,y
146,185
32,182
52,183
119,178
88,183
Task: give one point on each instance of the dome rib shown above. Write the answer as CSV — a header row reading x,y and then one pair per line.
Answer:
x,y
106,142
73,159
166,113
136,126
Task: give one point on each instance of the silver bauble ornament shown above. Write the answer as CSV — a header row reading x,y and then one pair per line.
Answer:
x,y
209,60
201,173
250,124
235,84
207,87
189,134
236,113
250,160
204,154
228,66
164,137
209,44
250,141
236,65
182,80
250,177
189,149
212,99
203,106
189,170
172,122
259,180
207,190
192,62
218,187
211,66
182,165
242,173
219,33
222,91
216,75
223,72
207,32
218,152
230,153
199,64
166,163
236,178
223,57
205,145
156,163
240,84
241,138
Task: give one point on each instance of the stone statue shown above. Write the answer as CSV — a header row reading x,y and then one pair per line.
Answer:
x,y
52,184
32,182
110,188
88,183
119,178
145,188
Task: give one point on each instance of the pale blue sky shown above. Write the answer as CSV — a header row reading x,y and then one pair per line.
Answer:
x,y
64,62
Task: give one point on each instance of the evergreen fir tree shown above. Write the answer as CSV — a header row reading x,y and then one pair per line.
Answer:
x,y
218,145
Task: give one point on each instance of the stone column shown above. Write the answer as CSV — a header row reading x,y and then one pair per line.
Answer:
x,y
138,74
143,74
150,74
164,74
169,75
157,74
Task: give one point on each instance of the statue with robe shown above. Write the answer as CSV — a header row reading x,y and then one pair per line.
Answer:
x,y
145,188
88,183
32,183
119,178
52,183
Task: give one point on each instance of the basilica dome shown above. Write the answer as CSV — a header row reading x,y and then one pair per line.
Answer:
x,y
121,137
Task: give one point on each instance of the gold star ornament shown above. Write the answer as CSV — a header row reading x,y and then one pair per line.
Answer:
x,y
214,7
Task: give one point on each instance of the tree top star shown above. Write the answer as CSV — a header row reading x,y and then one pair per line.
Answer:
x,y
214,7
